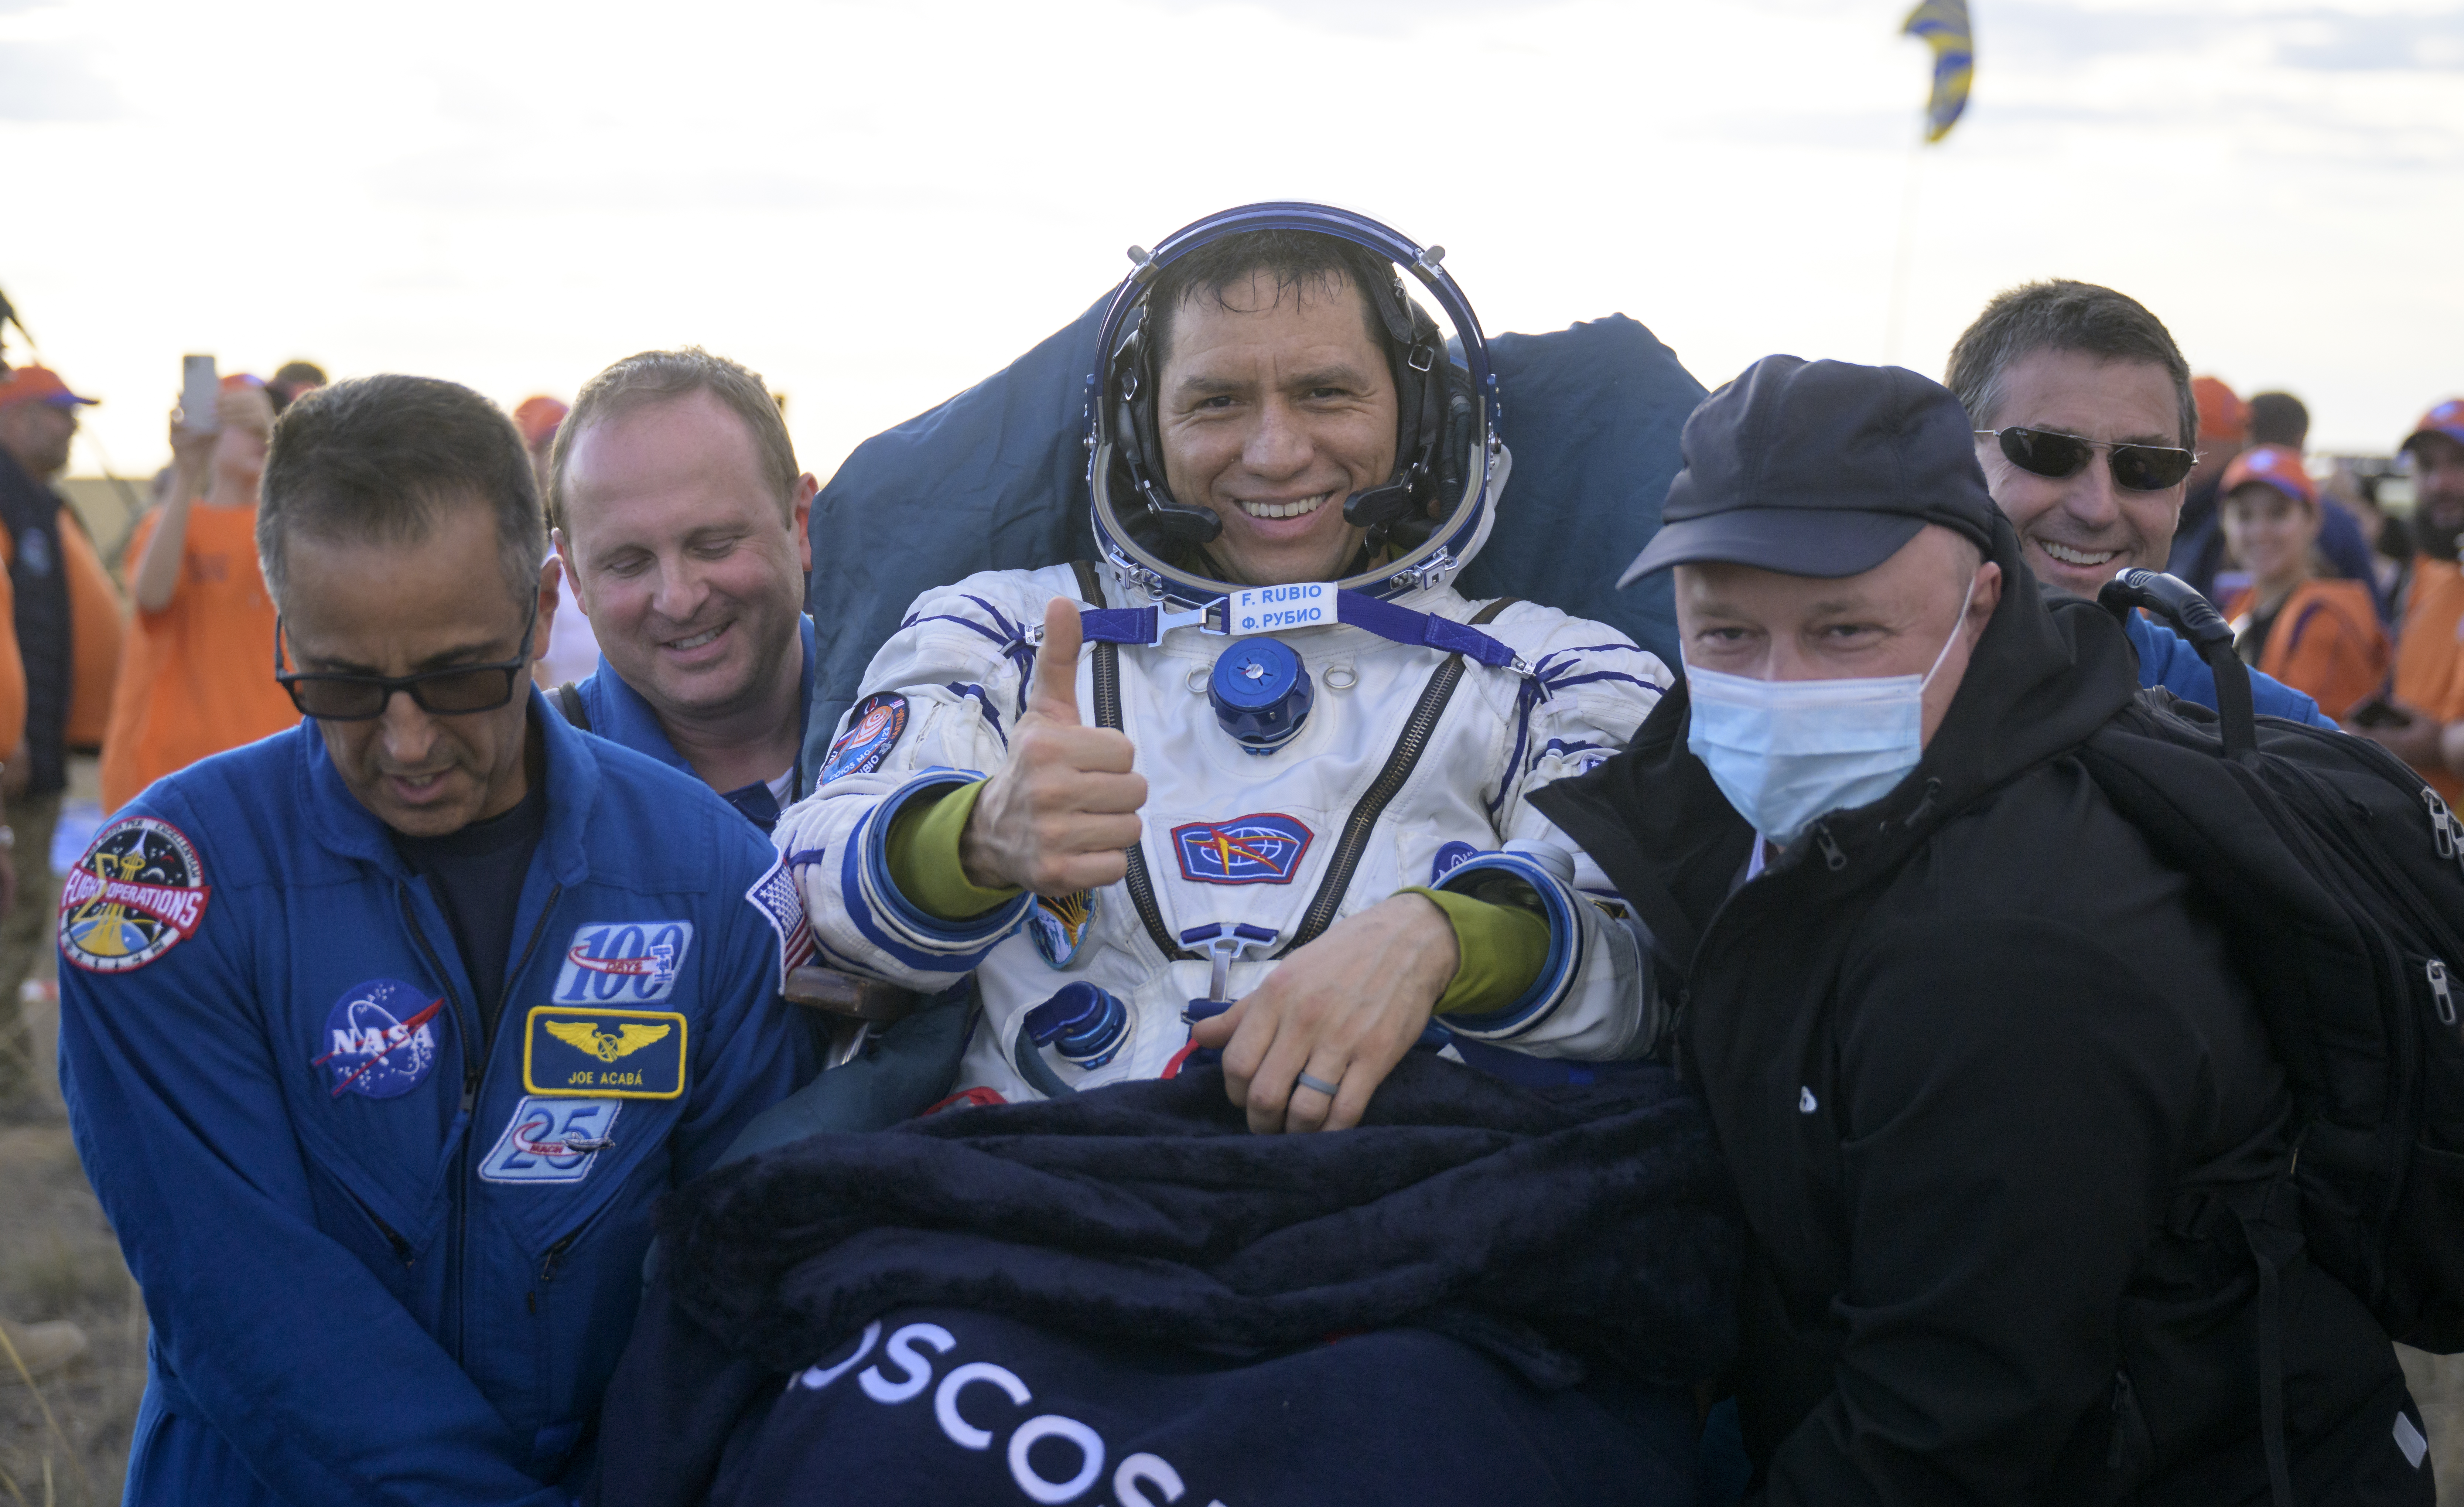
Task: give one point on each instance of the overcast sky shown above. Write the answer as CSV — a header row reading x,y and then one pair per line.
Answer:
x,y
877,204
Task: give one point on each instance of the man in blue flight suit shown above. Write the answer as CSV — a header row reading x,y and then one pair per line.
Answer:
x,y
381,1035
680,518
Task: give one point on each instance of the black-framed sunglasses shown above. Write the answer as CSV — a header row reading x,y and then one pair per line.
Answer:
x,y
2139,468
451,692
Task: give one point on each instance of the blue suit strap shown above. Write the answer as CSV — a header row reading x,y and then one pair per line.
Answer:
x,y
1147,626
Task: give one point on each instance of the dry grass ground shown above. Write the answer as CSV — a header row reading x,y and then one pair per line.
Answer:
x,y
63,1442
66,1440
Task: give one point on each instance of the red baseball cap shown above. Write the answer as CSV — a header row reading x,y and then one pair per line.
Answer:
x,y
538,418
37,384
2221,414
2447,418
2278,466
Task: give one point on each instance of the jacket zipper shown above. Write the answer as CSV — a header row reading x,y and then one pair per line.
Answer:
x,y
547,1268
401,1247
474,1068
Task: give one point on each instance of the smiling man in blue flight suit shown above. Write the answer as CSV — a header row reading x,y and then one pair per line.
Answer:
x,y
381,1035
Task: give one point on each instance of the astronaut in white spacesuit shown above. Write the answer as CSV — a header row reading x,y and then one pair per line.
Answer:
x,y
1258,780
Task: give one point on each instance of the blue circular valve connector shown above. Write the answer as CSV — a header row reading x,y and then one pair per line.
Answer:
x,y
1261,694
1083,1022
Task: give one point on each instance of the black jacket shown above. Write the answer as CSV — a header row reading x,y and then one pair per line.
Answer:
x,y
1998,1108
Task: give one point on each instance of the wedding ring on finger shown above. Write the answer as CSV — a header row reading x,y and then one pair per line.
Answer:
x,y
1308,1081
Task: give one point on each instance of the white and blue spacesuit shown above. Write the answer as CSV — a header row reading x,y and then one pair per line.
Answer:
x,y
1310,748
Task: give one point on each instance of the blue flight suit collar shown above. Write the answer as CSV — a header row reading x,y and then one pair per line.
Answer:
x,y
344,826
619,714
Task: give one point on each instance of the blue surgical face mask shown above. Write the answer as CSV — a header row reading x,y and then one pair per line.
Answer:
x,y
1784,752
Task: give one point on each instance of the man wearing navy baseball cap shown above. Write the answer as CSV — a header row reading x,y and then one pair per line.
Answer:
x,y
1965,1039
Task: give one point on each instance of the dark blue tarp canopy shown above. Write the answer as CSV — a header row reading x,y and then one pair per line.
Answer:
x,y
996,479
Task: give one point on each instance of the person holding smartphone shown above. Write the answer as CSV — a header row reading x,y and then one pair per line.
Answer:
x,y
192,677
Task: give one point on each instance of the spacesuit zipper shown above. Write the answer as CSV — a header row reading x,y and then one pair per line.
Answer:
x,y
1141,885
1362,824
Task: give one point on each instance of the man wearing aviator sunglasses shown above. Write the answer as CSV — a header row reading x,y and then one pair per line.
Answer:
x,y
395,1025
2085,427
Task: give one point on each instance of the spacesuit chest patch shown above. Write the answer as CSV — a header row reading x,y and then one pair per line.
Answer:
x,y
576,1051
872,730
623,963
380,1039
551,1141
1265,848
139,892
1060,924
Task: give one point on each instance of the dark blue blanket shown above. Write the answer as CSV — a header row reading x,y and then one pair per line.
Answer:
x,y
1546,1269
996,479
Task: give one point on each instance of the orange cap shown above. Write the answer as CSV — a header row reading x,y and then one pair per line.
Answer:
x,y
2221,414
37,384
2447,418
2278,466
538,418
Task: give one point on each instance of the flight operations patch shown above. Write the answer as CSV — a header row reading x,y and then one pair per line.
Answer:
x,y
577,1052
139,892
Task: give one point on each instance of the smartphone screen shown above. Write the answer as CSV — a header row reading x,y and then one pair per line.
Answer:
x,y
198,389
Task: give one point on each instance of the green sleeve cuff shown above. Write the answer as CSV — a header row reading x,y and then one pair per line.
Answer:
x,y
923,857
1502,947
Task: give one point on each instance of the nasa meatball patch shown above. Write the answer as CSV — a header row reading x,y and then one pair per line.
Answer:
x,y
380,1039
139,892
872,730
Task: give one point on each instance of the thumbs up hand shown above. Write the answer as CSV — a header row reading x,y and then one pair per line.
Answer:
x,y
1060,814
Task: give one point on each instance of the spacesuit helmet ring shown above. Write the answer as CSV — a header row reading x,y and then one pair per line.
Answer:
x,y
1422,525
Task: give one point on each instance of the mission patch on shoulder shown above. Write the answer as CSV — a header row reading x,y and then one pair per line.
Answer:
x,y
139,892
578,1051
872,730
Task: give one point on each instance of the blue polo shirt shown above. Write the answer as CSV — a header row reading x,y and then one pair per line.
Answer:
x,y
618,714
2166,658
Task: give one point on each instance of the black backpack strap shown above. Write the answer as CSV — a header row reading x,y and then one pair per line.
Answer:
x,y
568,700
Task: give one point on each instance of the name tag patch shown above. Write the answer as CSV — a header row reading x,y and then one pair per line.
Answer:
x,y
623,963
575,1051
1264,609
1265,848
551,1141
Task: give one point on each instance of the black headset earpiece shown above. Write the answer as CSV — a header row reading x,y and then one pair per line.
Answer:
x,y
1397,512
1140,441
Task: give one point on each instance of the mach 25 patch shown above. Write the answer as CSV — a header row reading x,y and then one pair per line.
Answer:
x,y
139,892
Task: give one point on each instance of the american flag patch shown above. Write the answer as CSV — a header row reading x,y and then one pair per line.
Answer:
x,y
774,894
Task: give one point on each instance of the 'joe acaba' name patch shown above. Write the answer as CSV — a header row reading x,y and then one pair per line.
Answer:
x,y
578,1052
